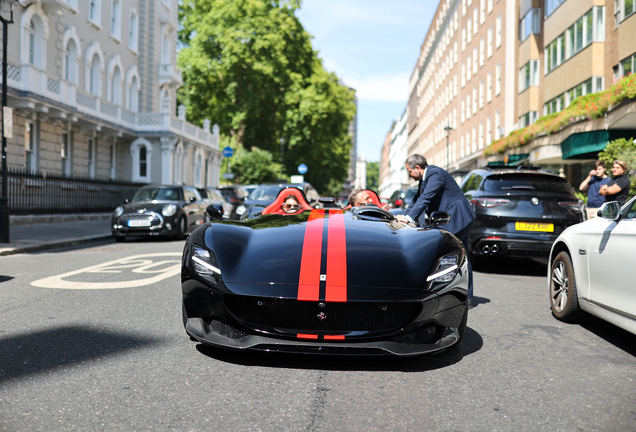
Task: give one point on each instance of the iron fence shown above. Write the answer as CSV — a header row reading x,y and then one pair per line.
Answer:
x,y
40,192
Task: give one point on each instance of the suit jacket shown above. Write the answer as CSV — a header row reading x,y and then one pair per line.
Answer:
x,y
438,191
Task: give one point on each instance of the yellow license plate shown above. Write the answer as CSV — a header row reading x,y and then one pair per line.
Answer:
x,y
534,226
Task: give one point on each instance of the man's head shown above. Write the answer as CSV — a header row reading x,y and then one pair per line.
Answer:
x,y
359,197
599,166
415,166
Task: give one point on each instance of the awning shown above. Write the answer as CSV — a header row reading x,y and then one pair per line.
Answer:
x,y
587,145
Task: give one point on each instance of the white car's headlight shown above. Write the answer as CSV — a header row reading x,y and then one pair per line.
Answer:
x,y
240,209
201,263
169,210
118,211
446,269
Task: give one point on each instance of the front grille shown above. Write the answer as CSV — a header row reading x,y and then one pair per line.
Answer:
x,y
227,331
306,316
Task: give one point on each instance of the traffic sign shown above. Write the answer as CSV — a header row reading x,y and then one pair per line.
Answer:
x,y
228,175
228,152
302,168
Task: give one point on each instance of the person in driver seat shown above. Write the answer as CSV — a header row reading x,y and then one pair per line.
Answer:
x,y
359,197
291,205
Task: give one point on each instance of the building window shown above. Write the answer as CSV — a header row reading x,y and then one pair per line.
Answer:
x,y
489,87
115,20
481,94
94,16
529,24
30,147
555,53
528,118
115,87
498,30
529,75
133,95
624,8
580,90
165,48
489,43
555,105
551,5
132,30
481,135
488,130
468,106
113,161
66,154
70,62
91,158
498,79
462,109
143,161
482,12
31,31
475,59
490,6
469,30
463,75
482,52
474,146
475,21
474,100
498,131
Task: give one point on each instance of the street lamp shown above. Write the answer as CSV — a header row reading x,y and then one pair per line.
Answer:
x,y
6,16
447,129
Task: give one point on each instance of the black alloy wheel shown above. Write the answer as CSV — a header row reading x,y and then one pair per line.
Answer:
x,y
563,296
181,228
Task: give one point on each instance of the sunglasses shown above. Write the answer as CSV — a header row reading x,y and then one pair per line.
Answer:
x,y
290,206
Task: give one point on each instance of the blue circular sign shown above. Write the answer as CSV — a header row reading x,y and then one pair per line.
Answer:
x,y
228,152
302,168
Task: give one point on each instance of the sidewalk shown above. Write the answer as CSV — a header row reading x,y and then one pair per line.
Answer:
x,y
44,232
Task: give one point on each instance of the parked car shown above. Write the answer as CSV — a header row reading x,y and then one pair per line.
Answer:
x,y
159,210
520,211
592,268
259,285
214,196
402,198
235,195
265,194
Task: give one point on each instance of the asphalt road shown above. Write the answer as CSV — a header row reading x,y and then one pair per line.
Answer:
x,y
102,347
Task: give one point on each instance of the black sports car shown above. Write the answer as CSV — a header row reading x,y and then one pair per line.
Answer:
x,y
170,211
327,281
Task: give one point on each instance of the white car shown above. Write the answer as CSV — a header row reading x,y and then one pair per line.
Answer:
x,y
593,268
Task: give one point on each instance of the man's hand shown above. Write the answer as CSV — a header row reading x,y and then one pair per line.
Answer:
x,y
592,173
402,218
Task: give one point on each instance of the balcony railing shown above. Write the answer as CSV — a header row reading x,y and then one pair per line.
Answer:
x,y
31,79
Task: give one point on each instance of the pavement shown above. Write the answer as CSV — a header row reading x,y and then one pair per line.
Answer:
x,y
34,233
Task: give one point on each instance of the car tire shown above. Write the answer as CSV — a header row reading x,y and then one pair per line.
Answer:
x,y
181,228
120,239
563,295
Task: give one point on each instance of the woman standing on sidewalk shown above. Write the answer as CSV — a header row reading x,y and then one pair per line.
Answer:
x,y
618,188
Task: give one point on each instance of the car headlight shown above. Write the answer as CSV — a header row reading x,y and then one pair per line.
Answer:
x,y
446,269
201,263
169,210
118,211
240,210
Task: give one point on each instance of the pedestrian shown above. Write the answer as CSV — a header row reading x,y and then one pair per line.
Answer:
x,y
438,191
592,184
617,189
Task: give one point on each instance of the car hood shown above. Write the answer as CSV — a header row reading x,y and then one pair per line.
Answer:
x,y
348,255
148,206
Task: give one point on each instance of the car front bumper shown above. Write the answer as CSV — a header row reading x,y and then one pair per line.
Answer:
x,y
159,225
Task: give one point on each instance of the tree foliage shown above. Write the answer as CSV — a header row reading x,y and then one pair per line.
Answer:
x,y
373,175
252,166
249,66
625,150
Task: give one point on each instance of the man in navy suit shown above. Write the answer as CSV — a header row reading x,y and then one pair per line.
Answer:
x,y
438,191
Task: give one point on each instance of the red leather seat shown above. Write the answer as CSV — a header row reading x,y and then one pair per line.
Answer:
x,y
277,206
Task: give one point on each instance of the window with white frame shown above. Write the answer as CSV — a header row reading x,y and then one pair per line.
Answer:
x,y
529,24
133,95
482,52
489,42
94,75
165,48
498,79
469,68
474,100
115,19
474,146
462,109
481,94
482,12
94,12
475,21
70,61
551,5
488,130
468,106
481,135
91,157
528,118
489,87
529,75
65,153
469,30
133,30
165,100
624,9
555,53
463,39
113,161
141,152
498,132
463,7
475,60
30,147
31,30
115,86
625,67
498,30
463,75
491,5
555,105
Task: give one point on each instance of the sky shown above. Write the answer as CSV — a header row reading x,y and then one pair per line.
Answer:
x,y
372,46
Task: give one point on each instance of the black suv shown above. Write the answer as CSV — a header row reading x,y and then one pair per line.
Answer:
x,y
520,211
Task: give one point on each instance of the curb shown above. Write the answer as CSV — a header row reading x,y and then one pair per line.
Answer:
x,y
58,245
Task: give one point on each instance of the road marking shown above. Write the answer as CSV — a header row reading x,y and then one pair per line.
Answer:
x,y
140,264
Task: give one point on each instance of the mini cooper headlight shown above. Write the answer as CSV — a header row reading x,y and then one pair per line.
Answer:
x,y
169,210
201,263
118,211
446,269
240,209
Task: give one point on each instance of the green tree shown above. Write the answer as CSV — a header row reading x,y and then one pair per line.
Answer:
x,y
621,149
249,66
252,166
373,175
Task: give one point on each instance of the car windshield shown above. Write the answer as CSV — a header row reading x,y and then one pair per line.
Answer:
x,y
409,195
266,192
157,194
228,193
533,183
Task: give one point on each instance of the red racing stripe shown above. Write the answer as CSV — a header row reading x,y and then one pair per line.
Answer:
x,y
307,336
336,259
309,280
334,337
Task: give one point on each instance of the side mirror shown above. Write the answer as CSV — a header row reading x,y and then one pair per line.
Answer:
x,y
610,210
193,199
439,218
215,211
